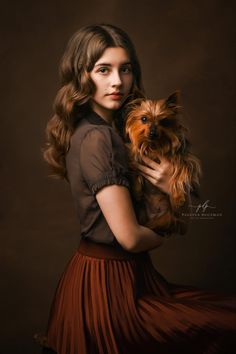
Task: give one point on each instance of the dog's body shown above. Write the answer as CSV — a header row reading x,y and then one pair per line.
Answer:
x,y
154,130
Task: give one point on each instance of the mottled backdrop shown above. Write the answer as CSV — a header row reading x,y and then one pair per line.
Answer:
x,y
186,45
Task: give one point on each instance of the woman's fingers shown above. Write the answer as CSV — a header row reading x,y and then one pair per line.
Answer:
x,y
155,173
154,169
160,182
151,163
150,179
162,166
158,174
165,167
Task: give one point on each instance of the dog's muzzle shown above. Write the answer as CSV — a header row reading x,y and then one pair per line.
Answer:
x,y
153,133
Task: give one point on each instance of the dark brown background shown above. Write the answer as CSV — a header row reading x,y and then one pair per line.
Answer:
x,y
181,44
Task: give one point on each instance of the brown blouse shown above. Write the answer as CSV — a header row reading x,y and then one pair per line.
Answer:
x,y
97,157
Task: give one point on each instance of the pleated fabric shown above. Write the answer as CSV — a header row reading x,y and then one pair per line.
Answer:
x,y
110,301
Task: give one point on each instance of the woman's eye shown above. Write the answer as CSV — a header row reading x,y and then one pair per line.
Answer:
x,y
126,69
103,70
144,119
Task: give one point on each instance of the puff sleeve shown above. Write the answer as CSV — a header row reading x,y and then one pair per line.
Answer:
x,y
102,161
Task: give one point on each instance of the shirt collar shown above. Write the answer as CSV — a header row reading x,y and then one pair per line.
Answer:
x,y
94,118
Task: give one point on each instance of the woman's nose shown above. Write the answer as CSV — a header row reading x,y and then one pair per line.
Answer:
x,y
116,78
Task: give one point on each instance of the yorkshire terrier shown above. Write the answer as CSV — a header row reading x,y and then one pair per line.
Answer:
x,y
154,129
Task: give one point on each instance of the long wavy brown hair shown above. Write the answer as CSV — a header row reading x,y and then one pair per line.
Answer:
x,y
84,48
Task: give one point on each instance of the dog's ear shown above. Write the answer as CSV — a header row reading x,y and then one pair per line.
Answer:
x,y
136,102
173,100
132,104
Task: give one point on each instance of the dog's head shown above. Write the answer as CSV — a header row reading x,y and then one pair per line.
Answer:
x,y
155,125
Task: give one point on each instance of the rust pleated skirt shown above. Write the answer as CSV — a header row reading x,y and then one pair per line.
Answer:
x,y
110,301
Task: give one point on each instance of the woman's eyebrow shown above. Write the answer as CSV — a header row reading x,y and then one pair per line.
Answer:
x,y
107,64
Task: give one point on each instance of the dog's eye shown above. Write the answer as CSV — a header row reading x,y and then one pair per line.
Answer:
x,y
165,122
144,119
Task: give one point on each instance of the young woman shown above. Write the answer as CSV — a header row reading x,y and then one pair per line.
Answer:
x,y
110,298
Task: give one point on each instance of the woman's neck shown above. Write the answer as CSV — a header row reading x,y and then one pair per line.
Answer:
x,y
106,114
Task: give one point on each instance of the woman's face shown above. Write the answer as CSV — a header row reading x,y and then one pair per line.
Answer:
x,y
111,74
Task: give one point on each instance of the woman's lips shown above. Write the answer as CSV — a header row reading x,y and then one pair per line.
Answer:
x,y
116,97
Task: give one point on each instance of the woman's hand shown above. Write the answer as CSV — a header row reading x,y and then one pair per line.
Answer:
x,y
158,174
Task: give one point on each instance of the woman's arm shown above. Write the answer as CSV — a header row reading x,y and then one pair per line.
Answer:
x,y
116,205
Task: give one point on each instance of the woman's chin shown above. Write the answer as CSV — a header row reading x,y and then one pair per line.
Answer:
x,y
114,105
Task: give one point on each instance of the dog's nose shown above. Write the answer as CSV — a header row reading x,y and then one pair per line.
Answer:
x,y
153,133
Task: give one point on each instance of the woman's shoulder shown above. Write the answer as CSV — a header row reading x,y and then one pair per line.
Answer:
x,y
88,132
88,139
96,146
